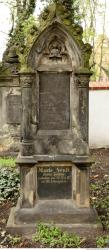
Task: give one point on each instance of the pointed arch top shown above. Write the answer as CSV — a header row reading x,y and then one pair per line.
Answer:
x,y
55,44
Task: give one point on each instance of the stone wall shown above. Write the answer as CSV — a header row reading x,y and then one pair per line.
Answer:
x,y
10,114
99,118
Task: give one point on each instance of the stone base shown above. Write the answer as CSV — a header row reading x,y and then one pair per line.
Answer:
x,y
83,221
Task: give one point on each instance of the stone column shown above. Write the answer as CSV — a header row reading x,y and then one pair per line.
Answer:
x,y
26,81
26,162
83,84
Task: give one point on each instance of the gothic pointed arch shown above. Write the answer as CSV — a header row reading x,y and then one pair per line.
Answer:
x,y
56,45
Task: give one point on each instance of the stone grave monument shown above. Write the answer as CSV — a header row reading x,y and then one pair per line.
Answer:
x,y
54,157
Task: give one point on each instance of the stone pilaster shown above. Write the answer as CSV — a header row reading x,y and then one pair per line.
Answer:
x,y
83,84
28,186
26,81
82,187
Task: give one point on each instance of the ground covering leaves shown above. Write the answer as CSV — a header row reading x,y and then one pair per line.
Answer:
x,y
46,237
9,184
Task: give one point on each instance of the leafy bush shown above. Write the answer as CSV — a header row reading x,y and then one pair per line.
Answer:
x,y
9,184
100,200
13,240
54,237
102,241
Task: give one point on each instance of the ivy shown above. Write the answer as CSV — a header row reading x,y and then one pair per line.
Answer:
x,y
54,237
28,28
100,200
9,184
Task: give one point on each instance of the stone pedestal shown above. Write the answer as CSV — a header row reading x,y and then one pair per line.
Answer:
x,y
54,192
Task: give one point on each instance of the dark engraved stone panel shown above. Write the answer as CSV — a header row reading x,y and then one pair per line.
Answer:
x,y
54,182
54,101
13,109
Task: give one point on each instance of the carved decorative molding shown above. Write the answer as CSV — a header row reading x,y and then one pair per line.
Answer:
x,y
26,80
83,83
82,80
55,49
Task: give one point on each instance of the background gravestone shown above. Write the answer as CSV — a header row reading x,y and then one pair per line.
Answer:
x,y
13,109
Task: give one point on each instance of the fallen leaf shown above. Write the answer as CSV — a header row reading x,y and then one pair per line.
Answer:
x,y
93,198
3,233
96,176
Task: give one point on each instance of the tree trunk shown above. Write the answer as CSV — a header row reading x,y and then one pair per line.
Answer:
x,y
102,42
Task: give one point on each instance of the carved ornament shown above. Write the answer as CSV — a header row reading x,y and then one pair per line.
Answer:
x,y
26,81
56,49
82,81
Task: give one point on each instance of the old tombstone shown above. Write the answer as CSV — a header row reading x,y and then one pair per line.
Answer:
x,y
10,113
13,109
54,153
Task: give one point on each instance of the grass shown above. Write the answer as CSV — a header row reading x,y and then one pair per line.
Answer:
x,y
7,162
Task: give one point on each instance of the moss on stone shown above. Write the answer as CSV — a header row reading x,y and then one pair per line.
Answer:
x,y
84,70
5,71
30,29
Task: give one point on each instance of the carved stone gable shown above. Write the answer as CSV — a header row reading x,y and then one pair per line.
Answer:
x,y
55,47
54,51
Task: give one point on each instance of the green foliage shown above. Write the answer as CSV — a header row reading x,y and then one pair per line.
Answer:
x,y
24,25
14,240
9,184
102,241
28,28
24,37
68,5
54,237
24,8
7,162
100,200
98,67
